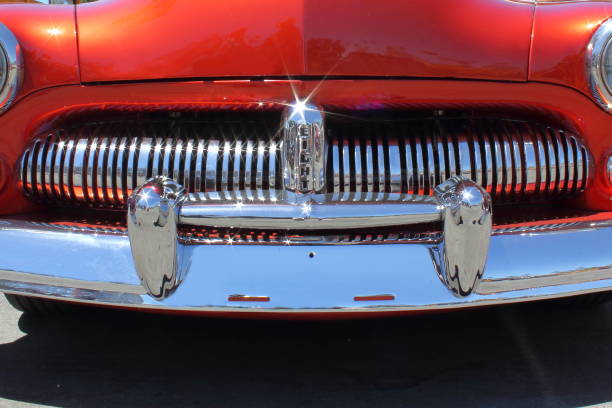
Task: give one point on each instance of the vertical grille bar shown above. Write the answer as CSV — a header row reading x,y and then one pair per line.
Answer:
x,y
358,164
395,165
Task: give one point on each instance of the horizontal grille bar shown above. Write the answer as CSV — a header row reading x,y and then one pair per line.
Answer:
x,y
100,164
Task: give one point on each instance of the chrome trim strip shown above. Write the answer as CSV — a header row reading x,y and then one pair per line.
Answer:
x,y
287,210
11,68
595,52
200,237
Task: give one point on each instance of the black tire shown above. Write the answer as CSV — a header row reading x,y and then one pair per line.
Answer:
x,y
590,300
37,306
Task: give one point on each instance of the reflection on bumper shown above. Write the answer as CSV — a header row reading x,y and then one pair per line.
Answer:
x,y
98,268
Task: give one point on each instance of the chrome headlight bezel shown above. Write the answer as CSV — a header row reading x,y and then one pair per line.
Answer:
x,y
10,80
600,44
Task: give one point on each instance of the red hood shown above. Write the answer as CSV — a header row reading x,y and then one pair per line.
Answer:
x,y
154,39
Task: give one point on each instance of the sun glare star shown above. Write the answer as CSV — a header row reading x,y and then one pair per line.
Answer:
x,y
54,32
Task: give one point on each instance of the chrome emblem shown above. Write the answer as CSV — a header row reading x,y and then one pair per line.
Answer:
x,y
303,150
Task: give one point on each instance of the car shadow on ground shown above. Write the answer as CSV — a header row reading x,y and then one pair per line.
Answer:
x,y
544,354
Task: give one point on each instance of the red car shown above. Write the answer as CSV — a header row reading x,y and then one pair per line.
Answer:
x,y
304,157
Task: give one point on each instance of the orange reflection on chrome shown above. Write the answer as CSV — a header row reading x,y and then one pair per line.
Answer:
x,y
245,298
371,298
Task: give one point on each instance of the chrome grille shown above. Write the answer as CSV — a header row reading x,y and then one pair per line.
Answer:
x,y
510,159
102,164
99,164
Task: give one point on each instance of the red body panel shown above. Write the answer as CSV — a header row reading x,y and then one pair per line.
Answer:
x,y
561,35
150,39
484,39
47,37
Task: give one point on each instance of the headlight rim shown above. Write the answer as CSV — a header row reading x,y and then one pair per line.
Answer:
x,y
11,52
596,51
3,67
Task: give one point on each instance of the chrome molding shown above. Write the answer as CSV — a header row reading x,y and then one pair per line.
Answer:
x,y
11,68
285,210
595,53
212,236
101,164
74,266
156,209
304,150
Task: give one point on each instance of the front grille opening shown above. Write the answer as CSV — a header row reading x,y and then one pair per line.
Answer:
x,y
96,162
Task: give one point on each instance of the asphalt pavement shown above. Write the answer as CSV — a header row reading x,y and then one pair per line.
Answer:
x,y
539,355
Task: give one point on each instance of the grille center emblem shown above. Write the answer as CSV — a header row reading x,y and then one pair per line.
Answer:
x,y
303,151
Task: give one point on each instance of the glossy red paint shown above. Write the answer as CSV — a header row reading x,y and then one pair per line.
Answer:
x,y
484,39
562,32
5,172
47,37
42,110
151,39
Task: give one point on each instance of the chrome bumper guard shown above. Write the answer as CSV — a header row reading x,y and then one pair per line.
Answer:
x,y
151,268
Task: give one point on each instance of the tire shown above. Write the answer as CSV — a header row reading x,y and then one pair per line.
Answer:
x,y
36,306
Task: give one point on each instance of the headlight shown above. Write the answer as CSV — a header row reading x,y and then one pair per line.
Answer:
x,y
599,65
11,67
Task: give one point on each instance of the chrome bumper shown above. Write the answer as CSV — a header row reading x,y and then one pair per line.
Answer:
x,y
94,267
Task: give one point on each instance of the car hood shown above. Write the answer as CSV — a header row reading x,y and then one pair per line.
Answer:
x,y
123,40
